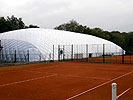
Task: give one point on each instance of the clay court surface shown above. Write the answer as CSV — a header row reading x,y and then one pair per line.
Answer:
x,y
65,81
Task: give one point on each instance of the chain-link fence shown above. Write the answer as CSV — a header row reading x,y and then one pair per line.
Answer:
x,y
98,53
26,56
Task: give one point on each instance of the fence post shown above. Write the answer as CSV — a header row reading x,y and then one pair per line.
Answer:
x,y
28,55
1,57
87,52
122,56
63,52
53,52
40,57
0,51
58,52
114,91
72,53
15,56
131,58
103,53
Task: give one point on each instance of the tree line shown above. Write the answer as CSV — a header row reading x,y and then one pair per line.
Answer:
x,y
13,23
123,39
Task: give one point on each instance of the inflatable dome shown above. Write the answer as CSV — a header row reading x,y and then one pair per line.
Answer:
x,y
36,44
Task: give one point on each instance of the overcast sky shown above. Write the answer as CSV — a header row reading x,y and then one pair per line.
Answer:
x,y
109,15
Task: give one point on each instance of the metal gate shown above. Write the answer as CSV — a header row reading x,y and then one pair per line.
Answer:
x,y
65,52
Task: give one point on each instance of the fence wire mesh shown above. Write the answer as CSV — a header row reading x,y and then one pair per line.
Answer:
x,y
98,53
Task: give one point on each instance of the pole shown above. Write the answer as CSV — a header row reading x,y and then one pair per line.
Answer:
x,y
0,52
72,53
15,56
114,91
87,52
28,59
58,52
103,53
123,56
53,52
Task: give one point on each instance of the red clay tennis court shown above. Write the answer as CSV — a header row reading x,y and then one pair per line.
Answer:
x,y
65,81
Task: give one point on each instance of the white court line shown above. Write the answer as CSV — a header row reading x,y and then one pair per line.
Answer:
x,y
35,71
18,82
123,93
70,75
110,69
29,69
44,67
97,86
83,77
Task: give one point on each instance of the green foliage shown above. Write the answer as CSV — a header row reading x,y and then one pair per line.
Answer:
x,y
71,26
16,23
4,25
125,40
13,23
32,26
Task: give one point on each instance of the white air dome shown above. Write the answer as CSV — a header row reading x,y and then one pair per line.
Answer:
x,y
39,43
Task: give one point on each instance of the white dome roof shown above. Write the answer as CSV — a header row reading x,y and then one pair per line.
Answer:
x,y
42,40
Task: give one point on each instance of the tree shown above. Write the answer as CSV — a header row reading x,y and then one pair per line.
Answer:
x,y
70,26
130,42
13,23
3,27
32,26
73,26
17,23
98,32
